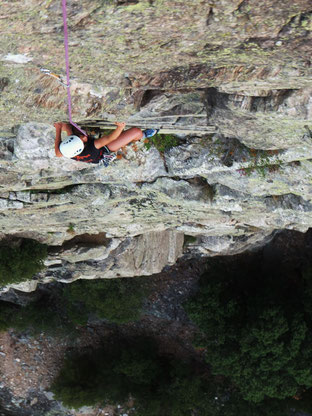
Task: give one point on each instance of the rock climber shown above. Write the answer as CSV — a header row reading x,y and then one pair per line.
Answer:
x,y
85,149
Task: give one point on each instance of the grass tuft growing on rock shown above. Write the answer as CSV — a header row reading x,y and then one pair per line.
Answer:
x,y
162,142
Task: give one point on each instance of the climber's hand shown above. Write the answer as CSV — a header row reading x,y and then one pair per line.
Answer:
x,y
122,125
58,125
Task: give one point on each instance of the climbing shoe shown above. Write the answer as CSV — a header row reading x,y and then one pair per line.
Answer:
x,y
150,133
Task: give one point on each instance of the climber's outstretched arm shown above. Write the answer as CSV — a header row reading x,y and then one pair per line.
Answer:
x,y
105,140
58,131
59,127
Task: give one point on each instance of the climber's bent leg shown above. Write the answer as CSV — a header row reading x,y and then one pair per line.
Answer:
x,y
132,135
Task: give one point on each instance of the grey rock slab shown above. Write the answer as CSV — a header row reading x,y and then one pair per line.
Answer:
x,y
177,190
34,141
78,254
35,159
17,58
146,202
275,121
137,256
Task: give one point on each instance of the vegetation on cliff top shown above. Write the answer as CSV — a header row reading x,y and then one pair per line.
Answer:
x,y
133,372
159,384
254,320
255,326
21,261
115,300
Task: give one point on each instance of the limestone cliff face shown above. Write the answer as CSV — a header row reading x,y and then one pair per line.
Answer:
x,y
232,79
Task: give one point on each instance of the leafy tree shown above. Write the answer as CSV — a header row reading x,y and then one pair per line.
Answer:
x,y
256,328
117,300
159,384
7,311
105,375
41,315
20,263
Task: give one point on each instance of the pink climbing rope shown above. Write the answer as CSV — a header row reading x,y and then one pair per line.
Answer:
x,y
67,69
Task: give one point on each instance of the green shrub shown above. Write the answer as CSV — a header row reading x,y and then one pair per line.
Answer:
x,y
45,314
20,263
71,228
7,311
41,316
159,384
162,142
189,239
117,300
256,329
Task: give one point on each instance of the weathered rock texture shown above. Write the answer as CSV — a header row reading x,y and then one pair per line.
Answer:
x,y
120,53
231,78
132,216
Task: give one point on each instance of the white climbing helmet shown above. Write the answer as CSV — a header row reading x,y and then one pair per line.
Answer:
x,y
72,146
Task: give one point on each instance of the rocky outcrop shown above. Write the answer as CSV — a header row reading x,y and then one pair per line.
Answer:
x,y
232,80
222,194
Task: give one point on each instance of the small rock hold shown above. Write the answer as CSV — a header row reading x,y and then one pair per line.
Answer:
x,y
34,401
18,59
49,395
279,43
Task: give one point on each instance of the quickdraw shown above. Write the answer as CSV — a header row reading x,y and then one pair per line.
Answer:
x,y
52,74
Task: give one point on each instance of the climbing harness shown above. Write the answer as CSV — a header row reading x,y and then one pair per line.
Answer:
x,y
67,68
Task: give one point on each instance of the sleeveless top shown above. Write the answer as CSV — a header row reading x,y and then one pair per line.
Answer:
x,y
90,153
